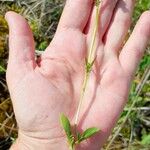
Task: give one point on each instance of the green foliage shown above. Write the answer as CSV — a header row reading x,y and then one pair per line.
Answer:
x,y
67,128
145,62
87,134
146,140
73,140
141,6
3,32
43,45
65,124
34,28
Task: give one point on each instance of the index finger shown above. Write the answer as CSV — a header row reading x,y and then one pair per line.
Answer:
x,y
76,14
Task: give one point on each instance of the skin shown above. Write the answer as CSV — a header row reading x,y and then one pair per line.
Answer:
x,y
41,91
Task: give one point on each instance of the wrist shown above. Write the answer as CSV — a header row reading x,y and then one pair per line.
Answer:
x,y
25,142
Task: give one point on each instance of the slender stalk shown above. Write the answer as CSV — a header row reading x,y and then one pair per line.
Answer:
x,y
92,50
89,63
71,148
75,137
85,81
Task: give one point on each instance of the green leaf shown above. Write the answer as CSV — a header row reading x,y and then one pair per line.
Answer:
x,y
78,138
67,127
71,141
88,133
65,124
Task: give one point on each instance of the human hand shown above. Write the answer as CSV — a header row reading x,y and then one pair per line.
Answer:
x,y
41,91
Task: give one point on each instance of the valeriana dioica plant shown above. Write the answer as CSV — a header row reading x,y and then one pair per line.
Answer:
x,y
75,138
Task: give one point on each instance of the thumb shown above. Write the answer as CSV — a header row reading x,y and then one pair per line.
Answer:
x,y
21,46
21,43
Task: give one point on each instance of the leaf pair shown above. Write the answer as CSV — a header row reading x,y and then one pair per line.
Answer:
x,y
80,137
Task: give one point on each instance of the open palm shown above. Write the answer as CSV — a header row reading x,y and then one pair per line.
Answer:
x,y
41,90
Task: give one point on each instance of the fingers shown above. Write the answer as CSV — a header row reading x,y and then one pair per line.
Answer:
x,y
76,14
119,25
135,46
21,43
105,14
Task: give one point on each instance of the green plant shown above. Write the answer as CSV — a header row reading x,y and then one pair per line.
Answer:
x,y
74,140
77,138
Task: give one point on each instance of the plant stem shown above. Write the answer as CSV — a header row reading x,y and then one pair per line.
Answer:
x,y
89,63
71,148
85,81
92,49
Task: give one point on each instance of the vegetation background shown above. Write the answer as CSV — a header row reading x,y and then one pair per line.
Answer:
x,y
132,131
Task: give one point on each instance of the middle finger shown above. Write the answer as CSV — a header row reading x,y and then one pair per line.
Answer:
x,y
105,14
